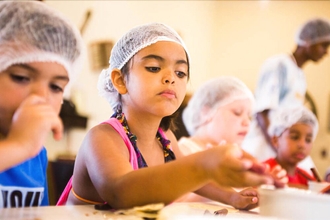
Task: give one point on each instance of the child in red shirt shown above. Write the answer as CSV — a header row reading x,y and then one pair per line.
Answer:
x,y
292,135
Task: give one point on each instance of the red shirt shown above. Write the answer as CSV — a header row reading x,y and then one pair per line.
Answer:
x,y
300,176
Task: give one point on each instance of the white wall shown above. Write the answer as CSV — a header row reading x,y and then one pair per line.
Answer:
x,y
223,38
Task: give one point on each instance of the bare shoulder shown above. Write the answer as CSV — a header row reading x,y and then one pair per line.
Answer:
x,y
103,137
100,156
102,147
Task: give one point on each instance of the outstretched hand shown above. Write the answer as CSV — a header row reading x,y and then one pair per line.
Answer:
x,y
277,174
231,166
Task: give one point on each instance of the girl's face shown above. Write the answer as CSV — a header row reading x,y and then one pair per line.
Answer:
x,y
230,122
294,144
157,79
45,79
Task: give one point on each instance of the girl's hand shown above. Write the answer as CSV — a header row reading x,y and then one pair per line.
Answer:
x,y
279,176
229,165
246,199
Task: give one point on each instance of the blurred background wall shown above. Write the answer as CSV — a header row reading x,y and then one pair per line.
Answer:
x,y
223,38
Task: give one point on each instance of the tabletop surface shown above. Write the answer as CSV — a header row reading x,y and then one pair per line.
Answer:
x,y
172,211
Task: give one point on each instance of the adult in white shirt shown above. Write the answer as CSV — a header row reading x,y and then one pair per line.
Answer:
x,y
282,83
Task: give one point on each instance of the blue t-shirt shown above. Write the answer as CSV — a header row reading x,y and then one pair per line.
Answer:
x,y
25,184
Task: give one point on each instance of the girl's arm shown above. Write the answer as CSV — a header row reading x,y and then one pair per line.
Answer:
x,y
245,199
106,159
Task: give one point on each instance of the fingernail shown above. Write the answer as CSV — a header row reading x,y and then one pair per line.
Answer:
x,y
247,164
223,142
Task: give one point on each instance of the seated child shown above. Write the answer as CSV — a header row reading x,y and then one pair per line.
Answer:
x,y
39,53
132,159
219,112
293,132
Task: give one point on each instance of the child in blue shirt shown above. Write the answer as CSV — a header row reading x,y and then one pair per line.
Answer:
x,y
39,53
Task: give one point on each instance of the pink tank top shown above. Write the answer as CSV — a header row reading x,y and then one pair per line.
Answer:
x,y
133,158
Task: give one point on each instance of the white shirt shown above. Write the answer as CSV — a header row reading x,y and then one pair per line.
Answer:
x,y
281,83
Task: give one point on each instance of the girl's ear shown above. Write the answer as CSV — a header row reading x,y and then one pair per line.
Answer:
x,y
118,81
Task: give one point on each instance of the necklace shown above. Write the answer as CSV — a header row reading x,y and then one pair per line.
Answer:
x,y
166,144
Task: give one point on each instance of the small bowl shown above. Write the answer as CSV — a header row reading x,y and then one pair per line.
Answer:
x,y
317,186
293,203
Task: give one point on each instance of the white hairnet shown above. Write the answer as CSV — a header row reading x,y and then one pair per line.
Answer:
x,y
31,31
126,47
313,31
210,96
284,118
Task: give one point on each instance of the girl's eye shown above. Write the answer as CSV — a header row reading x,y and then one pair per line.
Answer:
x,y
19,78
294,137
55,88
308,140
153,69
237,112
181,74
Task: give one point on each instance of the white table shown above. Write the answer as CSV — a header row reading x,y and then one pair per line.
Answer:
x,y
80,212
87,212
196,211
